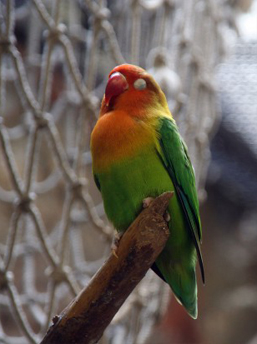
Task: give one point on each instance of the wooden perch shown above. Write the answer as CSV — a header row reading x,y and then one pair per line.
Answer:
x,y
84,320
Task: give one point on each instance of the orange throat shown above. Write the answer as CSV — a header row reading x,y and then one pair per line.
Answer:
x,y
117,137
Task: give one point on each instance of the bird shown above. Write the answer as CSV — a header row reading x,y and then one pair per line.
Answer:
x,y
137,154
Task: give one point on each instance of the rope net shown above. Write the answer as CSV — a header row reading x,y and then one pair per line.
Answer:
x,y
54,60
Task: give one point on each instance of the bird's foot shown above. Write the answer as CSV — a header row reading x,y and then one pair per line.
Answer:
x,y
115,244
166,216
147,201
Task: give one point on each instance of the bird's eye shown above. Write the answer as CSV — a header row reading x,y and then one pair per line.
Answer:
x,y
140,84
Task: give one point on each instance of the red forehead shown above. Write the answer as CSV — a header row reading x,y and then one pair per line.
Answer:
x,y
128,70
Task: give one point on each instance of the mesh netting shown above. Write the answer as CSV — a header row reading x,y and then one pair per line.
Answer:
x,y
54,60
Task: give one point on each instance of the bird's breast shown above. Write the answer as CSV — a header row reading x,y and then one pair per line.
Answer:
x,y
117,137
126,184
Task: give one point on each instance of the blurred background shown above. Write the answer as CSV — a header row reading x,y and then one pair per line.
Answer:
x,y
55,57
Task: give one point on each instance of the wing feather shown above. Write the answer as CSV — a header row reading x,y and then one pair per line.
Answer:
x,y
173,152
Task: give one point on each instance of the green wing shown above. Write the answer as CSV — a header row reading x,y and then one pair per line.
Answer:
x,y
174,154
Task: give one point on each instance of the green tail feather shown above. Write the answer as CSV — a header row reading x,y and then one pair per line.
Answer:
x,y
182,282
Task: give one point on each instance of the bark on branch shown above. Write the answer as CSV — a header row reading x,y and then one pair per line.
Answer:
x,y
84,320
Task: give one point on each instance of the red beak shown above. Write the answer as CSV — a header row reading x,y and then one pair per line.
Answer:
x,y
116,85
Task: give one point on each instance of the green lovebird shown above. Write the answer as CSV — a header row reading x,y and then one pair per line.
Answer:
x,y
137,152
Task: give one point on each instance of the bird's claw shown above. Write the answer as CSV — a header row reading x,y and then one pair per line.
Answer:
x,y
147,201
115,244
114,252
166,216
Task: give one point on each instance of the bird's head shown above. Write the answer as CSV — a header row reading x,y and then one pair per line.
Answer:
x,y
131,87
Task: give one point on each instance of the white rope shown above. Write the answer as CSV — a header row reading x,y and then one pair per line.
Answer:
x,y
54,235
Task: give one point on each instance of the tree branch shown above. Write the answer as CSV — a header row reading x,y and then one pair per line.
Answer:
x,y
84,320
